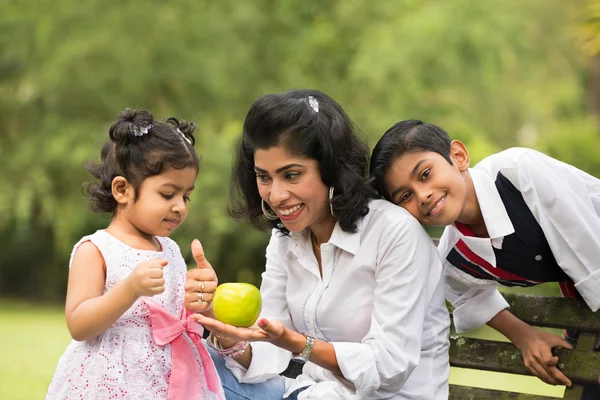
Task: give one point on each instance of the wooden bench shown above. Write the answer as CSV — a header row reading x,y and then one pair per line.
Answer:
x,y
581,365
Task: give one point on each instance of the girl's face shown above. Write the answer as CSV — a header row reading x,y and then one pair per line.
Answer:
x,y
162,202
428,186
292,187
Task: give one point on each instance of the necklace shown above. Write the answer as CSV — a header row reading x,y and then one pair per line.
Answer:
x,y
313,239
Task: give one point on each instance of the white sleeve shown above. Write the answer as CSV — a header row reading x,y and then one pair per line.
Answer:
x,y
268,360
408,269
566,202
475,302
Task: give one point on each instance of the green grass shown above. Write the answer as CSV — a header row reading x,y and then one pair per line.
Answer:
x,y
33,337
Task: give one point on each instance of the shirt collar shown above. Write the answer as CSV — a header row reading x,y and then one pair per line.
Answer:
x,y
495,217
346,241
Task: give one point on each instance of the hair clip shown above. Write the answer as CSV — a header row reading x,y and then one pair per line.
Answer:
x,y
183,136
313,103
137,131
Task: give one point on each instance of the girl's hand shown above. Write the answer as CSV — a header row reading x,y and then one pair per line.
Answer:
x,y
200,283
536,348
147,278
263,331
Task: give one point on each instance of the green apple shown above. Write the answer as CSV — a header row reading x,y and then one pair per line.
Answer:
x,y
237,304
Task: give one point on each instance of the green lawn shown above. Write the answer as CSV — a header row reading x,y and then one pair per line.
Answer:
x,y
32,338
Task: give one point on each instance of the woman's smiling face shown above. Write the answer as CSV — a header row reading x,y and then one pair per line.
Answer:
x,y
292,186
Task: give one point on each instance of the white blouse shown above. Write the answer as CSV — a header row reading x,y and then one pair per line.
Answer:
x,y
564,200
380,303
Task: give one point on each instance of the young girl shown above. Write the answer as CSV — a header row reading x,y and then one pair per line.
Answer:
x,y
517,218
353,300
124,306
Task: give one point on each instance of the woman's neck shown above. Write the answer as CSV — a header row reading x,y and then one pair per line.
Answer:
x,y
322,230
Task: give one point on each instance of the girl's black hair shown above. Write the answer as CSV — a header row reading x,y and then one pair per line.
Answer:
x,y
139,147
327,136
405,137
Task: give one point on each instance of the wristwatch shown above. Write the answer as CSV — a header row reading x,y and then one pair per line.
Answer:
x,y
297,362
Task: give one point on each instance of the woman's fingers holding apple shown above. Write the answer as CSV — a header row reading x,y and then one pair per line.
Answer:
x,y
272,328
220,329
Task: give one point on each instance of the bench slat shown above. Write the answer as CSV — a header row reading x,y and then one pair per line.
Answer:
x,y
580,366
552,312
469,393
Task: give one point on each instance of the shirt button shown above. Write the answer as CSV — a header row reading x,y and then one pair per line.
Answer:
x,y
538,257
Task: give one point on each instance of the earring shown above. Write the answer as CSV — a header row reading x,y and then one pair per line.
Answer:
x,y
270,215
331,201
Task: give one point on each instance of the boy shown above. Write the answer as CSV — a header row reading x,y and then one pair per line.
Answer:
x,y
518,218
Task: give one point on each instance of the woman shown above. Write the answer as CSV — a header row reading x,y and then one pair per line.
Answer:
x,y
353,305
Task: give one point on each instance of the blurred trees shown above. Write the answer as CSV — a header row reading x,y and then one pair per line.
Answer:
x,y
494,74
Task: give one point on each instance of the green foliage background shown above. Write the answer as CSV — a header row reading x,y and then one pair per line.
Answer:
x,y
494,74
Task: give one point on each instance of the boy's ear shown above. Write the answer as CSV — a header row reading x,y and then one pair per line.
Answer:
x,y
459,155
122,191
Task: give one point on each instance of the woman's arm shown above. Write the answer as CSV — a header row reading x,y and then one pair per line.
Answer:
x,y
260,361
323,353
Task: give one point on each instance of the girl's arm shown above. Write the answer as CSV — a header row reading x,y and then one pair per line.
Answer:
x,y
88,312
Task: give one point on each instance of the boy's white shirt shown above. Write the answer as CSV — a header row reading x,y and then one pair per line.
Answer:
x,y
564,200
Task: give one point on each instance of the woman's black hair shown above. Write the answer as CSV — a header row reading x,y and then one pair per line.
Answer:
x,y
325,134
139,147
405,137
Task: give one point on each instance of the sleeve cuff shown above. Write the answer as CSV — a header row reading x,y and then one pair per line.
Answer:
x,y
479,309
267,362
589,289
358,366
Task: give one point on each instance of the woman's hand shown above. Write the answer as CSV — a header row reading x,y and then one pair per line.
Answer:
x,y
200,282
536,347
263,331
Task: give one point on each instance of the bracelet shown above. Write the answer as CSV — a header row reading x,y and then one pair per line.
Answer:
x,y
234,352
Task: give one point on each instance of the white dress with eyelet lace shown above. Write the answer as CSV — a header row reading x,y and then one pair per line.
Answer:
x,y
124,362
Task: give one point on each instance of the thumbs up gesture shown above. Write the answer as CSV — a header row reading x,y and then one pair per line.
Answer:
x,y
200,283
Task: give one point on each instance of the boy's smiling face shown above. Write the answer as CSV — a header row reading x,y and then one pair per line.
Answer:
x,y
428,186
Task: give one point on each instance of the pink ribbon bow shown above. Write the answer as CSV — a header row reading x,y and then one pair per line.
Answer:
x,y
186,380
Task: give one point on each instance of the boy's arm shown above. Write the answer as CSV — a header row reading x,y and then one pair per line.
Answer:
x,y
475,303
481,304
535,345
